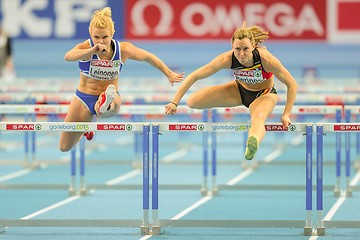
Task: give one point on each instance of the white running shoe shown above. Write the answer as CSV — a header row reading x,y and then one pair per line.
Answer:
x,y
252,146
107,98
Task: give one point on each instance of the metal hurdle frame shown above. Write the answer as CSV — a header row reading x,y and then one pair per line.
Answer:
x,y
335,110
133,110
158,128
321,129
143,224
30,110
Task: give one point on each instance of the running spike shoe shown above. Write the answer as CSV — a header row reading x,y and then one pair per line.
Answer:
x,y
252,146
107,98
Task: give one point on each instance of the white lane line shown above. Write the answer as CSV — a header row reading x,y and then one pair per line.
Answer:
x,y
297,140
332,211
202,201
15,175
355,180
71,199
67,157
56,205
192,207
239,177
175,155
272,156
124,177
146,237
313,237
8,147
338,203
335,207
125,140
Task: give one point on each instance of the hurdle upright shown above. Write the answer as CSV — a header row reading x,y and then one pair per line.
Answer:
x,y
349,112
321,129
158,128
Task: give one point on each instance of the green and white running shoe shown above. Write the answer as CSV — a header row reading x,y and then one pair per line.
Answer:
x,y
252,146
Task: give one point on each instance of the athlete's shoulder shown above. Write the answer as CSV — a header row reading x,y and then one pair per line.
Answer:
x,y
84,44
264,54
126,46
222,61
225,56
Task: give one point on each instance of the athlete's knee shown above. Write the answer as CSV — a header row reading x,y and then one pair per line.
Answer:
x,y
191,102
65,146
258,116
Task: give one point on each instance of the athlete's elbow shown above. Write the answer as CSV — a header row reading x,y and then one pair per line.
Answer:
x,y
67,58
294,86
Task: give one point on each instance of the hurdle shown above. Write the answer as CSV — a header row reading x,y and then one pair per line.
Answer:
x,y
297,110
321,129
81,127
30,110
159,128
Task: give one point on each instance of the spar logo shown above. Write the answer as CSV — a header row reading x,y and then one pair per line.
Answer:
x,y
105,63
20,127
310,110
115,127
186,127
236,110
244,73
46,110
274,128
349,127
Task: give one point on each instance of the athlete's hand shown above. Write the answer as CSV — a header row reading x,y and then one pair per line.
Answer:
x,y
285,120
170,108
99,48
175,77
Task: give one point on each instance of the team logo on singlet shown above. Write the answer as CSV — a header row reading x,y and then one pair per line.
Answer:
x,y
104,69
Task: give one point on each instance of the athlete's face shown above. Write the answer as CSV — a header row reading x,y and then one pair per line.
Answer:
x,y
101,35
243,51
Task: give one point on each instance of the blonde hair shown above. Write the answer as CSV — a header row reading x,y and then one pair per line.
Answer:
x,y
102,18
254,33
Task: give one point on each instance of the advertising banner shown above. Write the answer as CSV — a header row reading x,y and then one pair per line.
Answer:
x,y
55,19
334,21
344,21
205,19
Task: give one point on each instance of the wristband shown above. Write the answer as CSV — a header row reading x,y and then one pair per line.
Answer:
x,y
174,104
